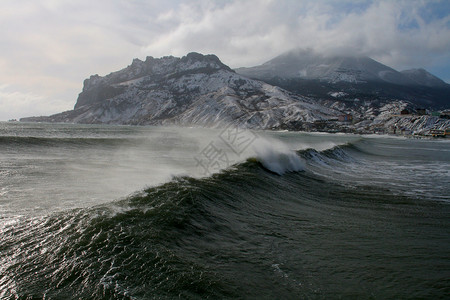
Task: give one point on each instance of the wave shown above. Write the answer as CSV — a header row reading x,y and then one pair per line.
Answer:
x,y
147,245
277,157
59,141
271,226
273,155
158,243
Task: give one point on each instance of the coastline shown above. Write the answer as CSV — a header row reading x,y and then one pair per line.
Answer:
x,y
412,126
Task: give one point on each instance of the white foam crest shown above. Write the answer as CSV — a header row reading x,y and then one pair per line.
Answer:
x,y
318,146
276,156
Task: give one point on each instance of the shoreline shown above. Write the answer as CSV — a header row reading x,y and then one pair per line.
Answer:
x,y
347,130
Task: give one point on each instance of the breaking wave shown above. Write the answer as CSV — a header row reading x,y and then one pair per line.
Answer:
x,y
277,157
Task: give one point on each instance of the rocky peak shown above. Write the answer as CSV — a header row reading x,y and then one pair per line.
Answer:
x,y
196,60
97,88
166,65
91,81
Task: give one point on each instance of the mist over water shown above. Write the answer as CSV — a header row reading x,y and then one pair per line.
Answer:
x,y
120,212
69,166
63,166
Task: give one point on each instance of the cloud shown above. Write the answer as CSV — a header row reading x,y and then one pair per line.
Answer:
x,y
15,104
251,32
238,32
49,47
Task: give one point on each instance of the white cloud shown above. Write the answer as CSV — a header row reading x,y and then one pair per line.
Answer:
x,y
238,32
15,104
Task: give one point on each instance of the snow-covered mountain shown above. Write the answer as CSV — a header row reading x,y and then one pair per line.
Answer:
x,y
199,90
318,76
306,64
193,90
422,77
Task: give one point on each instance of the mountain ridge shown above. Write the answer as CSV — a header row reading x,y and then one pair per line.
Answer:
x,y
307,64
199,90
315,75
94,88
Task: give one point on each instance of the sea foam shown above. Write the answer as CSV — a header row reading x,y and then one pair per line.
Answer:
x,y
277,157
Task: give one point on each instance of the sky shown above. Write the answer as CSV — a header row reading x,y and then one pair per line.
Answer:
x,y
48,47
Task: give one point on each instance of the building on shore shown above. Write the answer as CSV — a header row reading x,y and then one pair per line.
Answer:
x,y
345,118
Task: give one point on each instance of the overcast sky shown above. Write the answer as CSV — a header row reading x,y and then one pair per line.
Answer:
x,y
48,47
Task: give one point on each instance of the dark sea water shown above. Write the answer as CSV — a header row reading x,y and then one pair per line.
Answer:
x,y
116,212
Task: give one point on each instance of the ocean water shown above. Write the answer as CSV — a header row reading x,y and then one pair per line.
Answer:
x,y
118,212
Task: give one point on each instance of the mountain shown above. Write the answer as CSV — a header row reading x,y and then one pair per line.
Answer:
x,y
422,77
322,77
306,64
199,90
193,90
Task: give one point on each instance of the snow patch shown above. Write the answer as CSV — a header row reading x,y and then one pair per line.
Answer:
x,y
337,94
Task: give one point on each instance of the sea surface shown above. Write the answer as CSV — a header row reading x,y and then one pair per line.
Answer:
x,y
121,212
